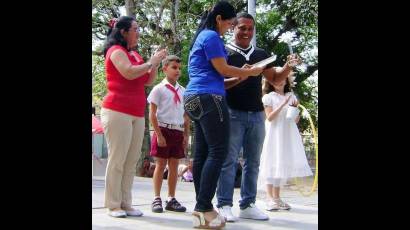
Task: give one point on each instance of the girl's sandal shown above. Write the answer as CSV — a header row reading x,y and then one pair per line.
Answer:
x,y
200,222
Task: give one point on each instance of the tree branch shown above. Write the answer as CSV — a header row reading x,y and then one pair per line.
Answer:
x,y
309,71
97,53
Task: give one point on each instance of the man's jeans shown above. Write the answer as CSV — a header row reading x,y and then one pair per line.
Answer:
x,y
211,117
247,131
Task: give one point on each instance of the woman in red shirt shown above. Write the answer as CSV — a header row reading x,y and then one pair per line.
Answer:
x,y
122,113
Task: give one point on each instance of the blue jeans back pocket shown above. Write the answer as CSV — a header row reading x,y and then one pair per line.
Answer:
x,y
193,106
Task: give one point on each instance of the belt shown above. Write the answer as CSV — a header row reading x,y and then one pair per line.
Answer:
x,y
171,126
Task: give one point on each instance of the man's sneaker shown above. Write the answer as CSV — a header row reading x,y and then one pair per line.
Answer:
x,y
277,204
174,205
252,212
157,205
226,211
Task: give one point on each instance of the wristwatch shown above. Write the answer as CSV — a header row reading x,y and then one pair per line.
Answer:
x,y
150,64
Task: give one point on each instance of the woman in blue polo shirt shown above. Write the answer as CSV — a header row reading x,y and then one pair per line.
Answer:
x,y
205,103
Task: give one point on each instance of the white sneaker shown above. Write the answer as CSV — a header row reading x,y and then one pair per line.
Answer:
x,y
226,211
133,212
252,212
117,213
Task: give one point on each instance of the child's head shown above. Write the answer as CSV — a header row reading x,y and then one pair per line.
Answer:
x,y
146,161
171,66
276,86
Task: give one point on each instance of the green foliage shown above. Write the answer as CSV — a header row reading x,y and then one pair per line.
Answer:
x,y
98,77
299,16
273,19
306,92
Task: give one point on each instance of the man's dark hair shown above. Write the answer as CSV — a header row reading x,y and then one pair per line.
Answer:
x,y
243,15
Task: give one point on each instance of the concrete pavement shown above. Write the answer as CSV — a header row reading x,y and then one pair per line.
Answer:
x,y
303,215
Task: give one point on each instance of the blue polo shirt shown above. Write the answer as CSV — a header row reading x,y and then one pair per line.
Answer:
x,y
203,77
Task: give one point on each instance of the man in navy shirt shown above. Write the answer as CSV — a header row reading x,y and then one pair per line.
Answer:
x,y
247,118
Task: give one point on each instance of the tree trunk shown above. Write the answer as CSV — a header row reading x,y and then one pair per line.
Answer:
x,y
177,48
130,8
159,16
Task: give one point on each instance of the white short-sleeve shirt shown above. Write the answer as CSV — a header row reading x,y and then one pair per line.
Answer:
x,y
167,111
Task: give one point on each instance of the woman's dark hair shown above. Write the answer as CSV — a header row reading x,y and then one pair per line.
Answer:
x,y
208,19
267,87
243,15
114,36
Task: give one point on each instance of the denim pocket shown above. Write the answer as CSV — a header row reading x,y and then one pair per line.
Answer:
x,y
233,114
218,103
193,106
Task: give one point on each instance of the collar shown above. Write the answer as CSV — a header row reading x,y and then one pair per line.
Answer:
x,y
165,81
239,50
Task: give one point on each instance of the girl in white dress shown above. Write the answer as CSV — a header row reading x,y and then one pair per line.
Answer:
x,y
283,154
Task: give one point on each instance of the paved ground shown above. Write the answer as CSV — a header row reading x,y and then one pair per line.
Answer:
x,y
303,215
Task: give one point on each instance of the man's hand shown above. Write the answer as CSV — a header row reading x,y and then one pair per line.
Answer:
x,y
293,60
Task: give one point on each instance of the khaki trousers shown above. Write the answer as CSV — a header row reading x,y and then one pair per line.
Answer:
x,y
124,134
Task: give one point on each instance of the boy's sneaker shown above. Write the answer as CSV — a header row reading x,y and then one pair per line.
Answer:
x,y
174,205
157,205
252,212
226,211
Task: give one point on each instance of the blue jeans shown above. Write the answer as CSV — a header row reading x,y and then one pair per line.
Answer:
x,y
211,117
247,131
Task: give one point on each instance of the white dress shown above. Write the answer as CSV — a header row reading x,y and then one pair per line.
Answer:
x,y
283,155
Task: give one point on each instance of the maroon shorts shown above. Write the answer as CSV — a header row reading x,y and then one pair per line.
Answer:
x,y
174,148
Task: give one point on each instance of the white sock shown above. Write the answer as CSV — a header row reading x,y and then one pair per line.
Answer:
x,y
170,198
155,197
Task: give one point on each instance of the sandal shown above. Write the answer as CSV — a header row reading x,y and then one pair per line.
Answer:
x,y
199,221
277,204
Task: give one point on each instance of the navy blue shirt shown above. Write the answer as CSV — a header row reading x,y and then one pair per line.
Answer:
x,y
247,95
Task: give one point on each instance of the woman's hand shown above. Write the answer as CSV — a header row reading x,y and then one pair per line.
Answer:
x,y
256,71
157,57
253,70
246,66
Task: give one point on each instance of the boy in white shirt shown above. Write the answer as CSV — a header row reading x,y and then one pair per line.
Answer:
x,y
171,126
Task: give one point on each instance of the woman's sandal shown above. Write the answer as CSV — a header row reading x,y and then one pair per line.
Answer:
x,y
199,221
